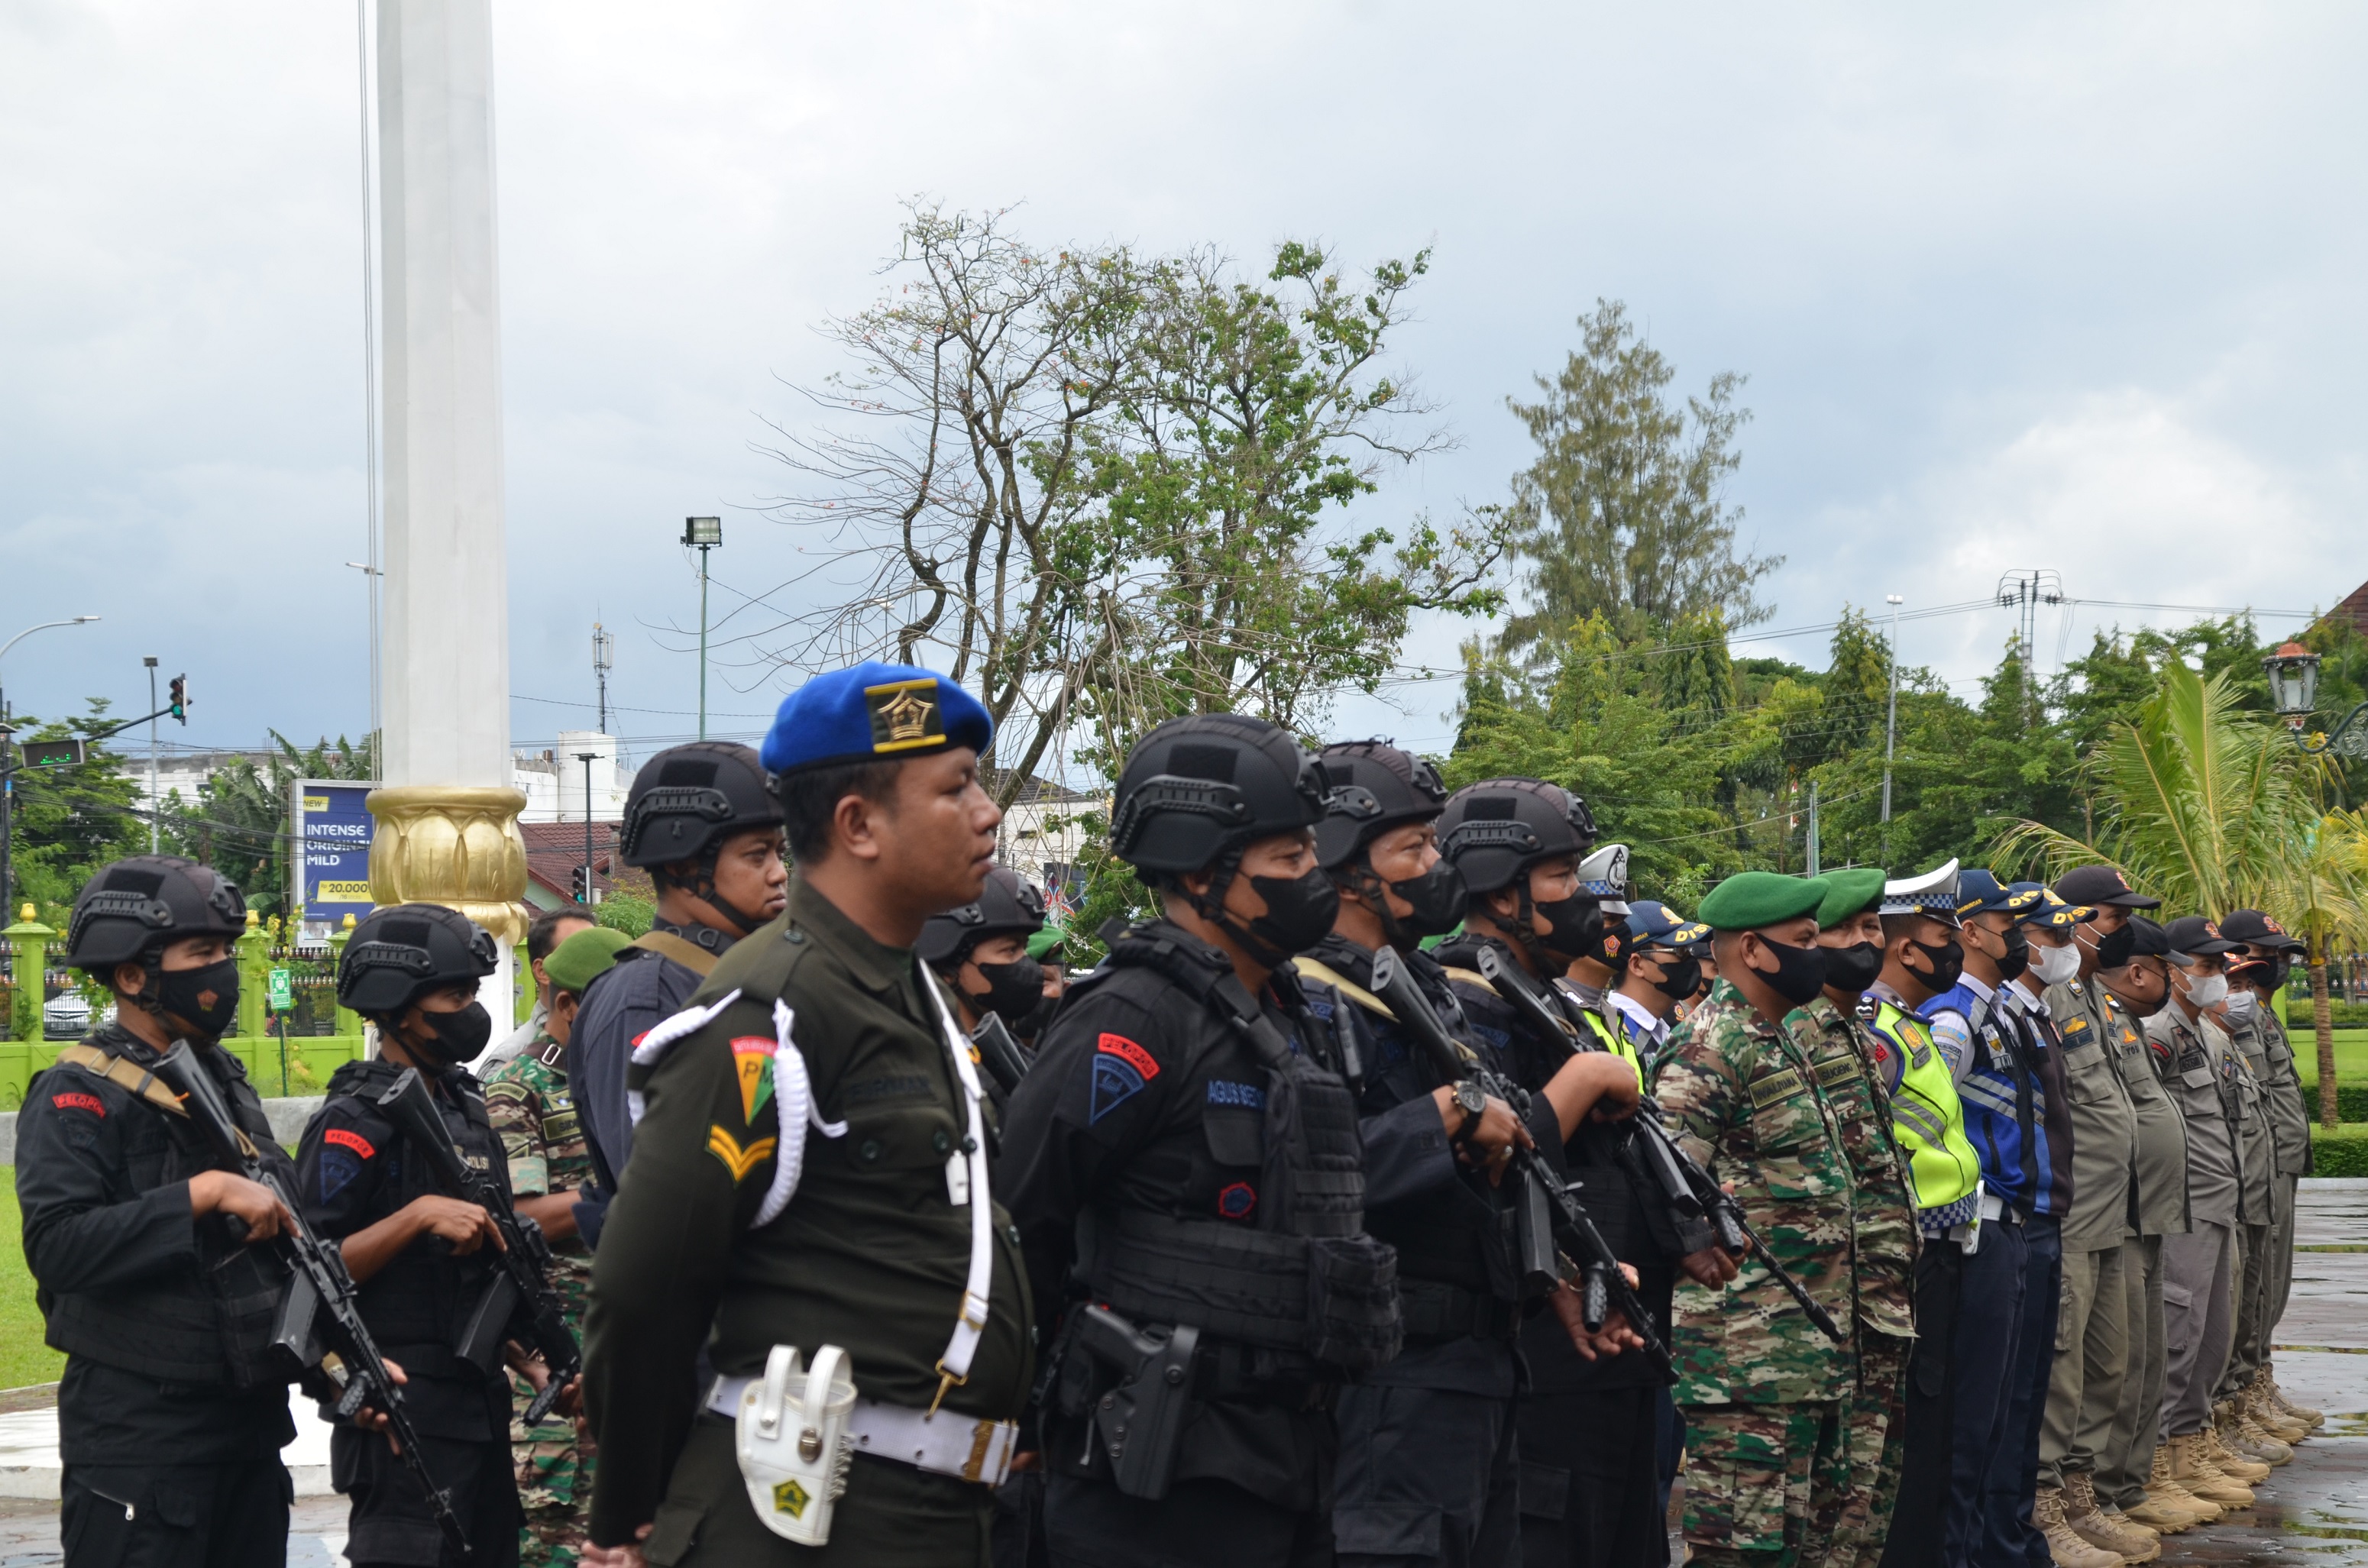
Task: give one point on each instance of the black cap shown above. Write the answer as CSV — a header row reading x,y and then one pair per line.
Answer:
x,y
2101,884
2195,937
2252,926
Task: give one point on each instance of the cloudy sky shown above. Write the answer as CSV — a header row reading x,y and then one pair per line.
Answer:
x,y
2021,288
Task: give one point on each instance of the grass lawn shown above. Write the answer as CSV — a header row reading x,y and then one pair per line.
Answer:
x,y
23,1357
2350,1056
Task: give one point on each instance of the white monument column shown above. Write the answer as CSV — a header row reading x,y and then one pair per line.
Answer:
x,y
447,815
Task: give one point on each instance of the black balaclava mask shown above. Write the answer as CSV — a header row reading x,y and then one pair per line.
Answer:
x,y
1852,969
206,999
1299,910
1576,926
1800,971
1948,962
1680,977
1437,899
1014,990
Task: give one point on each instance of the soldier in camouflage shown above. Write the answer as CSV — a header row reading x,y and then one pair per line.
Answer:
x,y
1763,1391
1846,1059
528,1106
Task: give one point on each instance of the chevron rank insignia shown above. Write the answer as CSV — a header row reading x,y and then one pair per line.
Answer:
x,y
736,1159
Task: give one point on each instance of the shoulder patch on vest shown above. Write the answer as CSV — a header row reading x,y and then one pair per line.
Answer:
x,y
751,1059
1773,1088
1146,1065
736,1159
1121,1069
339,1166
79,1102
346,1136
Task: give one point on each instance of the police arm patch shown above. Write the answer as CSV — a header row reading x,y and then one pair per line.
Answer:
x,y
1121,1069
79,1102
752,1062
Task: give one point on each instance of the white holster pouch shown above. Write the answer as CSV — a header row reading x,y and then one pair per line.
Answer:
x,y
791,1437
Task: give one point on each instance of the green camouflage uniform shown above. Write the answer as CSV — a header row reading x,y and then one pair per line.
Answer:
x,y
1875,1406
1763,1389
527,1104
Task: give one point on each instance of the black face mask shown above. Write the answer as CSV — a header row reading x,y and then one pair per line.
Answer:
x,y
1299,913
459,1037
1852,969
2279,969
1438,897
1948,962
1575,927
1028,1028
1680,978
1013,990
1800,972
206,999
2018,954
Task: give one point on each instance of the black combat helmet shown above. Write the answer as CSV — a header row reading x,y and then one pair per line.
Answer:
x,y
136,907
398,954
1007,906
1375,787
1494,829
1195,787
688,799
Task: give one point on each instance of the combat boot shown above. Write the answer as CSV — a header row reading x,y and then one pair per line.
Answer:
x,y
2301,1412
2191,1467
2249,1437
2129,1541
2257,1403
2062,1544
2233,1462
2166,1495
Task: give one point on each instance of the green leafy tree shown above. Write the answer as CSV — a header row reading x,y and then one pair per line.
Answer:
x,y
1623,514
69,822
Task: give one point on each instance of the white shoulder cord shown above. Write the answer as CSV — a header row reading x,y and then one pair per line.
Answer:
x,y
793,1095
953,1367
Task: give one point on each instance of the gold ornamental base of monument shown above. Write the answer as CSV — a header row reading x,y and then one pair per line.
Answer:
x,y
454,845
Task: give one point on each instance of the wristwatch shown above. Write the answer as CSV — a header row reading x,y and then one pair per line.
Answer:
x,y
1472,1099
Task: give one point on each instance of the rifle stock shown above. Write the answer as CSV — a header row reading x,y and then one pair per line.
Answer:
x,y
319,1331
1604,1286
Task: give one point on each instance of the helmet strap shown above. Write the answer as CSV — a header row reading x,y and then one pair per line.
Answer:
x,y
1360,877
1543,959
702,888
1211,907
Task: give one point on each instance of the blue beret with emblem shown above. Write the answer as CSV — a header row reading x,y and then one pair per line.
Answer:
x,y
873,712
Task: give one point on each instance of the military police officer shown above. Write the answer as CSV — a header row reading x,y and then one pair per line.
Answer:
x,y
808,1189
169,1424
1762,1389
1184,1168
702,821
1427,1466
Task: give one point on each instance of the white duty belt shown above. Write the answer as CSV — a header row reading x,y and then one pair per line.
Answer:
x,y
964,1446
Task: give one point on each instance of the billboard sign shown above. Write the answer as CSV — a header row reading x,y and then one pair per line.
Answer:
x,y
331,829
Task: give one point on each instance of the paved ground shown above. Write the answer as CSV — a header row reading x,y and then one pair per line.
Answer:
x,y
2310,1513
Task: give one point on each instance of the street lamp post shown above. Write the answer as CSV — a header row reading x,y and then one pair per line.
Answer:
x,y
8,773
704,534
150,660
2294,688
1890,719
588,759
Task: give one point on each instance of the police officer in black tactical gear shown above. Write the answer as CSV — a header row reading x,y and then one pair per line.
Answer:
x,y
169,1422
1586,1427
422,1260
1429,1469
980,950
702,820
1184,1169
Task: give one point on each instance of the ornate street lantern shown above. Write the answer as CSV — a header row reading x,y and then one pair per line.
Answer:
x,y
2294,681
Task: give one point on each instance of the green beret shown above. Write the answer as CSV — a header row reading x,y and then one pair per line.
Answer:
x,y
1849,893
1748,900
583,958
1045,946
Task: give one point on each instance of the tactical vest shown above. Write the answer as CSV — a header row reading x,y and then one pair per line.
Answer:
x,y
1998,1092
418,1305
1926,1116
208,1325
1307,1282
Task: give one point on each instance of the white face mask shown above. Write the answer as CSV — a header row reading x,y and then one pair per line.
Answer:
x,y
2055,966
2206,990
2241,1007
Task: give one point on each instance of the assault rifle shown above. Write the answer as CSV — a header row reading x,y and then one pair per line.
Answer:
x,y
1603,1287
1704,1211
319,1331
525,1262
1000,1054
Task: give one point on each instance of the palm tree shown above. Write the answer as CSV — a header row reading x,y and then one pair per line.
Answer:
x,y
2210,809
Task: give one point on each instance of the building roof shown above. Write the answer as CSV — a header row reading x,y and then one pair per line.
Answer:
x,y
2353,608
554,851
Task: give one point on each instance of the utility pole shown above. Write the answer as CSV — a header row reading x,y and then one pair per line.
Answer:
x,y
604,659
588,759
2024,592
1812,827
7,772
1890,720
705,534
150,660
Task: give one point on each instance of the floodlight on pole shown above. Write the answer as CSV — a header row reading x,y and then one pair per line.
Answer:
x,y
1891,718
703,534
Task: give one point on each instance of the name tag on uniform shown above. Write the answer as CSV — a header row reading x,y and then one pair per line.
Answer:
x,y
1836,1070
1774,1089
958,1178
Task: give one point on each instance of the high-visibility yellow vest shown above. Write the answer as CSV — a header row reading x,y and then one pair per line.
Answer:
x,y
1615,1041
1926,1116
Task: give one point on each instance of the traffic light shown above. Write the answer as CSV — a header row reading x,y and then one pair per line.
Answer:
x,y
180,697
584,885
